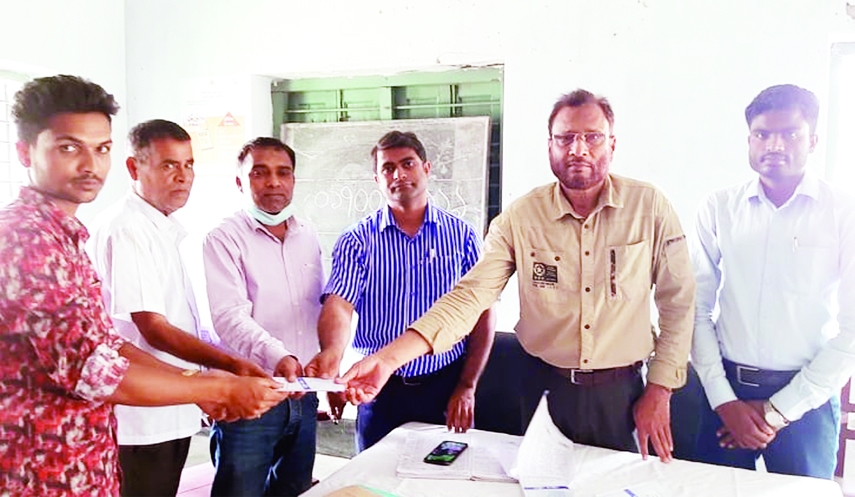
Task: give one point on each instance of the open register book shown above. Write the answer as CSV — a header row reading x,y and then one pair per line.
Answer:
x,y
487,457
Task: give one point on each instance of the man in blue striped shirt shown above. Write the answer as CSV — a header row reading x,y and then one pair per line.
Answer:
x,y
390,267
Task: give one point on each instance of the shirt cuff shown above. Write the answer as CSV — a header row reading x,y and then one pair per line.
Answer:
x,y
719,392
274,353
790,403
102,372
432,331
666,375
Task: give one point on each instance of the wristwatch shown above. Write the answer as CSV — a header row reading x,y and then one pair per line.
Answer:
x,y
773,416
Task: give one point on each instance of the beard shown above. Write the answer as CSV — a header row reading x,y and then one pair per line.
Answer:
x,y
575,173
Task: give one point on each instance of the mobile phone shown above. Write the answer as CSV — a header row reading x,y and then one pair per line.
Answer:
x,y
445,453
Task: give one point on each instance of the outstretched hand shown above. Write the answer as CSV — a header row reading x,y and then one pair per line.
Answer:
x,y
365,379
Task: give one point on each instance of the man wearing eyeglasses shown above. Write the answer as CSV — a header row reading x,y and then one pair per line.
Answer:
x,y
772,254
587,249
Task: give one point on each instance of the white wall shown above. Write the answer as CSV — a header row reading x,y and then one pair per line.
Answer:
x,y
679,73
83,38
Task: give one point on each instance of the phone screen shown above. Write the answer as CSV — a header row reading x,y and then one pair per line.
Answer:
x,y
445,453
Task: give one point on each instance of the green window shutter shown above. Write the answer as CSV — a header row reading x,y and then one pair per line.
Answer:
x,y
459,93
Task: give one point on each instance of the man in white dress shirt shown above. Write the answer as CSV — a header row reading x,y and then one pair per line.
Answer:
x,y
777,256
264,276
135,250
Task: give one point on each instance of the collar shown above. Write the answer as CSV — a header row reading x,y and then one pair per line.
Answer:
x,y
807,187
610,196
168,224
387,220
45,206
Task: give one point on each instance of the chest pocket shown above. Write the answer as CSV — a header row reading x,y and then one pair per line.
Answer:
x,y
814,269
546,276
628,271
438,274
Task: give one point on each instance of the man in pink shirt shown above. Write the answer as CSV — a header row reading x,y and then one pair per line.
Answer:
x,y
264,277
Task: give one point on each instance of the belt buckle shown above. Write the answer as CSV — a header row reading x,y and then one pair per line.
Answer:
x,y
573,374
739,369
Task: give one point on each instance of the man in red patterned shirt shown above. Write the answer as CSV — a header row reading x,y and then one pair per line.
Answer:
x,y
62,366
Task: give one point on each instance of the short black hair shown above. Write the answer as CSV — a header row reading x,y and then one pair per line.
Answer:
x,y
42,98
399,139
785,97
578,98
146,132
266,142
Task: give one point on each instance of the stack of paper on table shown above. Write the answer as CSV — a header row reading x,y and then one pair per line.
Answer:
x,y
487,457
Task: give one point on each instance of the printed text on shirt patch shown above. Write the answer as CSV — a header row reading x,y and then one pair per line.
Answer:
x,y
544,275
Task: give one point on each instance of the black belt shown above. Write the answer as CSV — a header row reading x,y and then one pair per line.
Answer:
x,y
594,377
756,377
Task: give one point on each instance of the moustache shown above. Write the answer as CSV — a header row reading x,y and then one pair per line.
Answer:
x,y
774,156
89,177
578,162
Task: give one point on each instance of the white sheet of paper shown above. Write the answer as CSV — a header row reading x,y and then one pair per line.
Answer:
x,y
307,384
418,444
545,464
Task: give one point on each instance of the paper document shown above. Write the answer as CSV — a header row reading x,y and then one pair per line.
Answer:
x,y
307,384
482,460
545,464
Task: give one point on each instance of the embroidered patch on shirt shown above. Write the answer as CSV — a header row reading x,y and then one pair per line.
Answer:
x,y
544,275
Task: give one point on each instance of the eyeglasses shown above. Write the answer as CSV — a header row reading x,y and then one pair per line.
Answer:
x,y
591,139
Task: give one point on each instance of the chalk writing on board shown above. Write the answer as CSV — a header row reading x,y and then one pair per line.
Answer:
x,y
335,184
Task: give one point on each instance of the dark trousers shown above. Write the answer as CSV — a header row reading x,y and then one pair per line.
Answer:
x,y
424,399
599,415
271,455
152,470
806,447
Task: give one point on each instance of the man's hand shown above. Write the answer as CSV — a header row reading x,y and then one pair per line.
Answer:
x,y
461,409
337,403
290,368
745,426
652,413
244,367
324,365
365,379
246,397
216,411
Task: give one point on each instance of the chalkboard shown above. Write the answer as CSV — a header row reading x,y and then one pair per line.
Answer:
x,y
335,173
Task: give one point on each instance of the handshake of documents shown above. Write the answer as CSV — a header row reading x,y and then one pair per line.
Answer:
x,y
305,384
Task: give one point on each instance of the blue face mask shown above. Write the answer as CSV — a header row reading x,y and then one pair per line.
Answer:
x,y
268,219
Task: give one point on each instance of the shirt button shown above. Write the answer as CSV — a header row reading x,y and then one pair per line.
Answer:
x,y
587,289
586,226
587,253
585,361
587,326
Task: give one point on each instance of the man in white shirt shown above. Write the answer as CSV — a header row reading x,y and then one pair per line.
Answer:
x,y
135,249
264,277
777,256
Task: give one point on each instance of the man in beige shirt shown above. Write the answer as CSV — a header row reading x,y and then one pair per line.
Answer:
x,y
588,249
